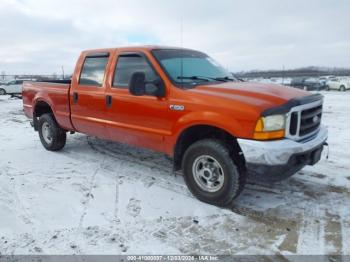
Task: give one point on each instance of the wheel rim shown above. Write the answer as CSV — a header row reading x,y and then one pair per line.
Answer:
x,y
208,173
46,132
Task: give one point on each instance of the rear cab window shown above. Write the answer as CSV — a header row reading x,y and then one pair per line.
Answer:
x,y
93,70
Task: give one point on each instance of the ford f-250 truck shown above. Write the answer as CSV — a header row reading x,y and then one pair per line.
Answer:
x,y
184,104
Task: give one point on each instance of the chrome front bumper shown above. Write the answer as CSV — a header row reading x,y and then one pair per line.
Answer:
x,y
279,152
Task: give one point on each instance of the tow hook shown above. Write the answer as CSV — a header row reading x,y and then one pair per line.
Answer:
x,y
326,144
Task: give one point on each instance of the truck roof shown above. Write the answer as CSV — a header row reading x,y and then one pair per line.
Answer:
x,y
134,48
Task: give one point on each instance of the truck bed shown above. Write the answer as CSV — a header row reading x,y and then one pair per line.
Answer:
x,y
55,93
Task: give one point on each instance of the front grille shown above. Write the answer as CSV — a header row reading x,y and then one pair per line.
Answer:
x,y
304,120
310,120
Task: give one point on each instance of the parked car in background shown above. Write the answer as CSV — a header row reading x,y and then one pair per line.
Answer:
x,y
298,82
310,84
314,84
338,83
324,79
12,87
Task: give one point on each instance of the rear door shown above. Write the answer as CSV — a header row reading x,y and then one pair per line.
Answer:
x,y
136,120
87,95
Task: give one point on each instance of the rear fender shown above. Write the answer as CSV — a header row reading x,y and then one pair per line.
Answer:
x,y
37,99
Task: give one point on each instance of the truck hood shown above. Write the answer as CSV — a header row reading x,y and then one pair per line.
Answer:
x,y
259,95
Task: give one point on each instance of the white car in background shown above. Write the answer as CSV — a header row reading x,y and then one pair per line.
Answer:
x,y
12,87
338,83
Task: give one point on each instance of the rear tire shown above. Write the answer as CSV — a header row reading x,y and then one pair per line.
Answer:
x,y
211,174
327,88
52,137
2,92
342,88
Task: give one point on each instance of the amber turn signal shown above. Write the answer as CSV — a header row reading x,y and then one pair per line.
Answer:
x,y
269,135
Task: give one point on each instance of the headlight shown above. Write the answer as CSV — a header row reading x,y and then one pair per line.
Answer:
x,y
273,123
270,127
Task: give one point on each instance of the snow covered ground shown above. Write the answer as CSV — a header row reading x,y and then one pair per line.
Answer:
x,y
99,197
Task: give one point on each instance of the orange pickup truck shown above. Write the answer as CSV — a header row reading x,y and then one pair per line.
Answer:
x,y
218,130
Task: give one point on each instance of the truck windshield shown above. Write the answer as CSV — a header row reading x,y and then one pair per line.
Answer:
x,y
188,67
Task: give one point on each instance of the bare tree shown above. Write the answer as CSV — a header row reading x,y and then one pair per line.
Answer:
x,y
3,75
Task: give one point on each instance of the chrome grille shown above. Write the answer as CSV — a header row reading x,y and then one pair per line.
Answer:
x,y
304,120
310,120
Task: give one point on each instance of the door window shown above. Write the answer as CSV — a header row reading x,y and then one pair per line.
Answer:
x,y
93,71
127,65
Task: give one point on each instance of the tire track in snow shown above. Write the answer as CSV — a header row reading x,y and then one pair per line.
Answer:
x,y
311,233
25,216
89,195
320,232
345,225
121,169
333,234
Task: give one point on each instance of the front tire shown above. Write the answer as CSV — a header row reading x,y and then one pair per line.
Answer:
x,y
342,88
211,174
52,137
2,92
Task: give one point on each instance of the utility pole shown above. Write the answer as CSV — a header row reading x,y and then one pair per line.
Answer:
x,y
62,72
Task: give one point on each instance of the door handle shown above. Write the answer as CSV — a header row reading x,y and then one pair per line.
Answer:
x,y
108,101
75,97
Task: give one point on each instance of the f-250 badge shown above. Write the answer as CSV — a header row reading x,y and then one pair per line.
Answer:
x,y
177,107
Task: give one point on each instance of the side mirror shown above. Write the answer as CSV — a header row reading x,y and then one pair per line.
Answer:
x,y
137,85
159,90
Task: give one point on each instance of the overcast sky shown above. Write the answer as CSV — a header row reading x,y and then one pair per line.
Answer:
x,y
40,36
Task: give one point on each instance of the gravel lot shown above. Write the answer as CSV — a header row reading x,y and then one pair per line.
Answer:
x,y
99,197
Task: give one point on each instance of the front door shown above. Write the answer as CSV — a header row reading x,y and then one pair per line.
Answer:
x,y
136,120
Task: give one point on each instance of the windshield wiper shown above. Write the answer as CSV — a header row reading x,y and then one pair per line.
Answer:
x,y
225,79
207,78
194,78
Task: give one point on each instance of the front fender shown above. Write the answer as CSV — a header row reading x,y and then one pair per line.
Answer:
x,y
227,123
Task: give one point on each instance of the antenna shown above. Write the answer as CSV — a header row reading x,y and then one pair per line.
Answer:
x,y
181,45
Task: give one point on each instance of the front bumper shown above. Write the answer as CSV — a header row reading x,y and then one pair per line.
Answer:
x,y
278,152
279,159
